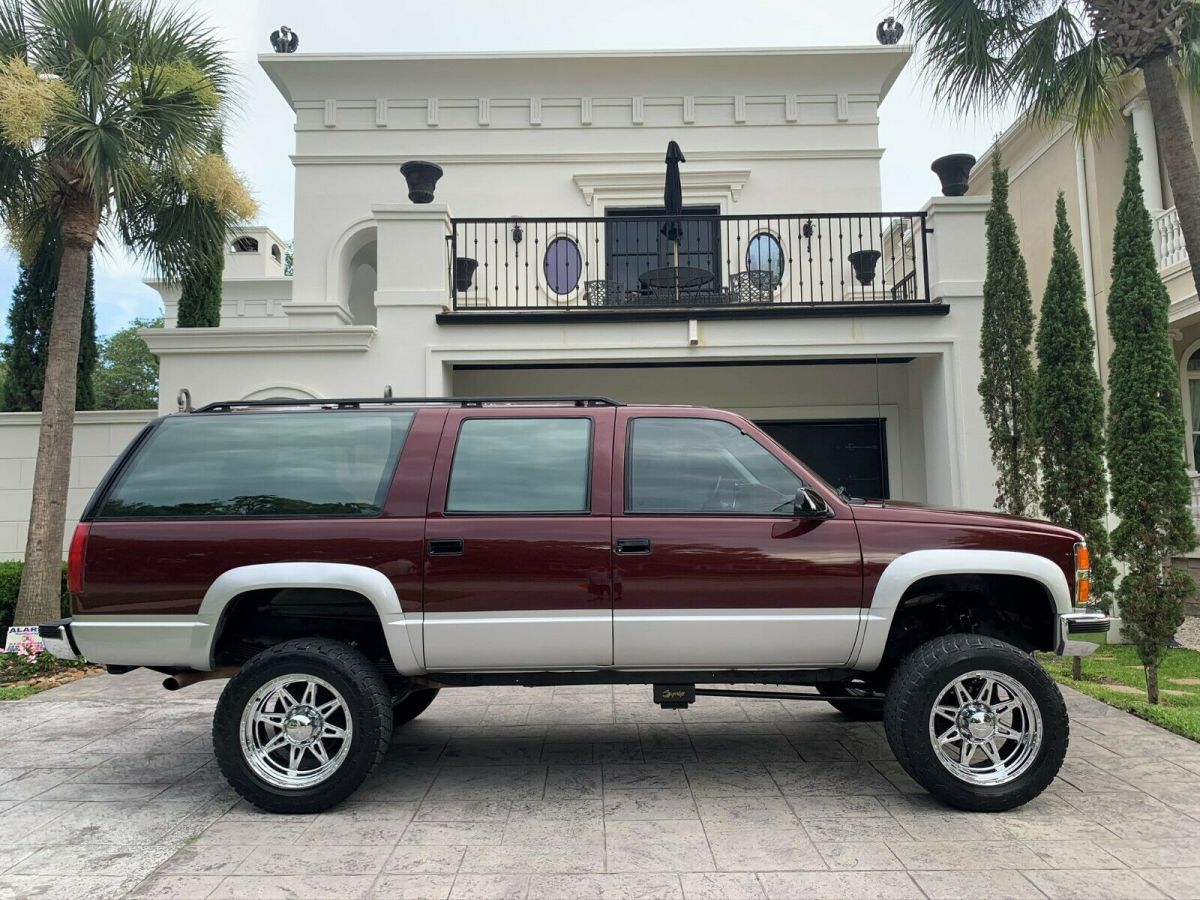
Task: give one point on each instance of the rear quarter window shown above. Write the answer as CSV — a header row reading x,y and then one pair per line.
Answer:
x,y
261,465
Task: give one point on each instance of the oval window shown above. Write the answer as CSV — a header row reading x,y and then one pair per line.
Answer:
x,y
562,265
764,254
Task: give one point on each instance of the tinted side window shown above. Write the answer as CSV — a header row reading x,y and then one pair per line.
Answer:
x,y
521,466
703,466
262,464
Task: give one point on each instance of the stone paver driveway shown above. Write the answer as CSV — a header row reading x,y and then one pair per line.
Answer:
x,y
108,787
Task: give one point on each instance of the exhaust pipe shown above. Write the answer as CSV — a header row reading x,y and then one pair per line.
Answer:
x,y
183,679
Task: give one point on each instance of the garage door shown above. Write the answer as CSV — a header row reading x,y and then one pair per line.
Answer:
x,y
848,453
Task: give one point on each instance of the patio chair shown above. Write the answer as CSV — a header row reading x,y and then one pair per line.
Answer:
x,y
603,293
750,287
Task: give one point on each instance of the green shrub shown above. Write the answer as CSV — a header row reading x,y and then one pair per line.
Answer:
x,y
10,586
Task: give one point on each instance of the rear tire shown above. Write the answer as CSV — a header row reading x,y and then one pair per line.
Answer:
x,y
856,710
412,705
302,725
976,722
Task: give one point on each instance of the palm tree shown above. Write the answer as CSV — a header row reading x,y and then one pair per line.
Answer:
x,y
105,111
1073,60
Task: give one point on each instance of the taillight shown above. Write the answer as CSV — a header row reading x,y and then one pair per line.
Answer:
x,y
75,558
1083,574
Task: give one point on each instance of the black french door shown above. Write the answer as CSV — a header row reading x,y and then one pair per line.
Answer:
x,y
634,243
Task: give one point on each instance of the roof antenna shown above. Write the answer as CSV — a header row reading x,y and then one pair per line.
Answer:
x,y
387,392
184,399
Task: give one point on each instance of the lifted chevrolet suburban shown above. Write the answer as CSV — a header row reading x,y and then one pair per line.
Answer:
x,y
345,560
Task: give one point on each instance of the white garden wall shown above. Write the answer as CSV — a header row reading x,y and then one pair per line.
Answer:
x,y
99,437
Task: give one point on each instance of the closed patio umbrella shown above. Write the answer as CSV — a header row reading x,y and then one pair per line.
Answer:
x,y
673,202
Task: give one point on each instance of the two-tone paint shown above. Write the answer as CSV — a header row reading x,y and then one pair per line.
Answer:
x,y
551,592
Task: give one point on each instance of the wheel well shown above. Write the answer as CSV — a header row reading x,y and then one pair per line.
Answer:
x,y
255,620
1011,608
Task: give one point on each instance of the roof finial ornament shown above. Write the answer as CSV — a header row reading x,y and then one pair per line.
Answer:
x,y
285,40
889,31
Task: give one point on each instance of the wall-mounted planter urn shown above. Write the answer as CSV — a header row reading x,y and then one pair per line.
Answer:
x,y
864,262
954,170
422,178
464,273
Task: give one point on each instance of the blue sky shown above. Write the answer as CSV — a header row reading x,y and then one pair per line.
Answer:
x,y
913,130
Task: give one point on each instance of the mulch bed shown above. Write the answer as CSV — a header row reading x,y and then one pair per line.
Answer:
x,y
53,679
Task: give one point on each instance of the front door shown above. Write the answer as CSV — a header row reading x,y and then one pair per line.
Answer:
x,y
518,569
711,568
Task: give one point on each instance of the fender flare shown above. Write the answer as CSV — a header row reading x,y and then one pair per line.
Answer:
x,y
402,631
909,568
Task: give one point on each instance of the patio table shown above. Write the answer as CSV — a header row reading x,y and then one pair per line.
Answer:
x,y
675,277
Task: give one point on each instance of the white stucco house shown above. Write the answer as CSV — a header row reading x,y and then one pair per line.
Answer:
x,y
788,293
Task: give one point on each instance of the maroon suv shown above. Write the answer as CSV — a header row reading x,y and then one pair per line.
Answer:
x,y
344,560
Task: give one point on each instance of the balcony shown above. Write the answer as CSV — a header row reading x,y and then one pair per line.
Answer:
x,y
1168,239
701,264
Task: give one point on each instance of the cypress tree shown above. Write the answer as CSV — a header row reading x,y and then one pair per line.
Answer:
x,y
1068,409
29,320
89,350
1150,491
200,296
1007,386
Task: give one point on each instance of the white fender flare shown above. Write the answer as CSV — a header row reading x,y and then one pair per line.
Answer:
x,y
402,632
909,568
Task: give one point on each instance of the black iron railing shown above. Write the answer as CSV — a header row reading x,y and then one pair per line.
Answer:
x,y
639,261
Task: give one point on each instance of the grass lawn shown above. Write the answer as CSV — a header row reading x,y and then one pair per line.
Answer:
x,y
17,692
1114,674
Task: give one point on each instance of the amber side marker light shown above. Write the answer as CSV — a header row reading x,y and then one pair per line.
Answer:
x,y
1083,574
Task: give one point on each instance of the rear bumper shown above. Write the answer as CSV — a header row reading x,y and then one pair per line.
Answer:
x,y
56,638
1078,624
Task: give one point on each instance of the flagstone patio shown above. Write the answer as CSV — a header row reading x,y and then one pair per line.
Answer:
x,y
108,788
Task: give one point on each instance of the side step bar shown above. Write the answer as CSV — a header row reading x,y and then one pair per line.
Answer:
x,y
681,696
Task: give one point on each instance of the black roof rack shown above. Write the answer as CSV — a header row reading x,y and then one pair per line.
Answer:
x,y
356,402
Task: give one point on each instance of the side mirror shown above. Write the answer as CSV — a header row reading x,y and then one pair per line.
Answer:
x,y
810,505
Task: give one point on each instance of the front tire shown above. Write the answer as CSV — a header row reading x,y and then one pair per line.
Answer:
x,y
302,725
976,722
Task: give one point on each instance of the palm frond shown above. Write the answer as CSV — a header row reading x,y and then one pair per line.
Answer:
x,y
149,87
167,226
12,28
1042,54
1189,48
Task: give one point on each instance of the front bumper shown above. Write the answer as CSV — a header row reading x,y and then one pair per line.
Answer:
x,y
56,638
1081,623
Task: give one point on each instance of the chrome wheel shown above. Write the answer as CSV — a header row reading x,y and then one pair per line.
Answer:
x,y
296,731
986,728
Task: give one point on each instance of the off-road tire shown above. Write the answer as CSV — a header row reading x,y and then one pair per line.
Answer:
x,y
366,697
412,705
855,710
917,684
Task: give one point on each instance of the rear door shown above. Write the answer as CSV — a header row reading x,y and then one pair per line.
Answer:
x,y
712,569
518,571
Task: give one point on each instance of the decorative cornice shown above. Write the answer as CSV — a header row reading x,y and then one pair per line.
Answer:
x,y
390,159
898,50
86,417
728,182
157,283
181,341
